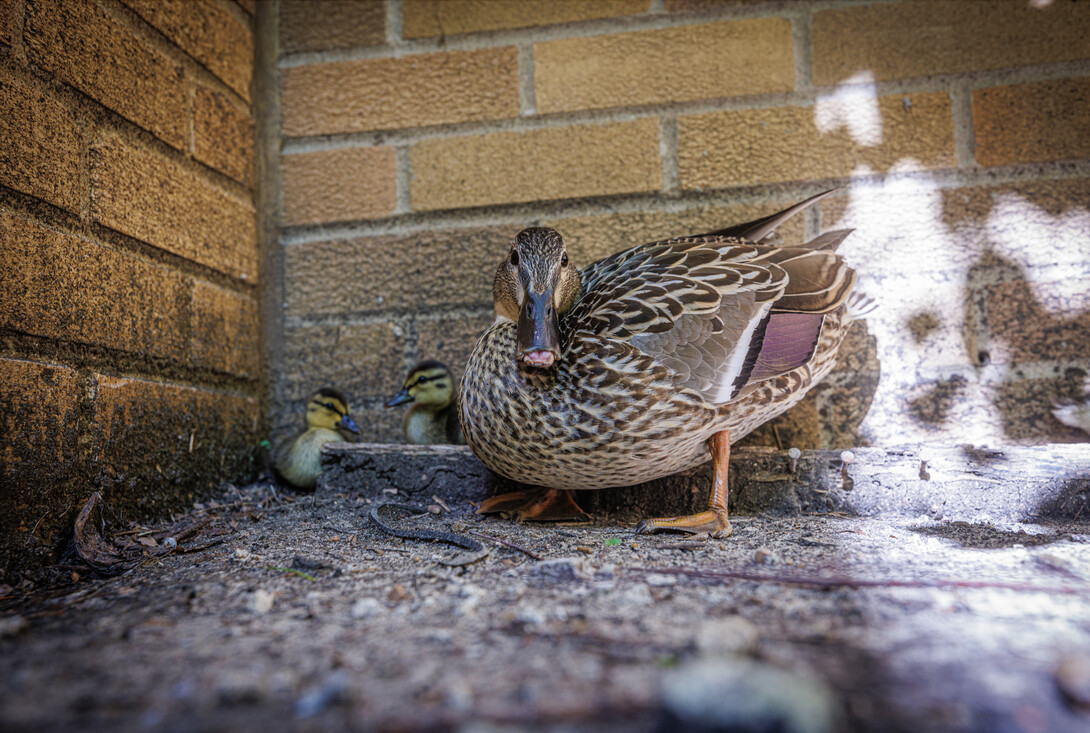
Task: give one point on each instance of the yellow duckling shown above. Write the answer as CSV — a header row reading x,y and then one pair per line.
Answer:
x,y
433,418
299,461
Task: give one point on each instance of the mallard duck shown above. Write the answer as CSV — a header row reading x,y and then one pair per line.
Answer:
x,y
298,460
647,362
433,418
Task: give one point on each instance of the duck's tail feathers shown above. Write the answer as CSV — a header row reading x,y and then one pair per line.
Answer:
x,y
758,229
861,305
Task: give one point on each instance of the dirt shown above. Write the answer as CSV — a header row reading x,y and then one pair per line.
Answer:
x,y
293,612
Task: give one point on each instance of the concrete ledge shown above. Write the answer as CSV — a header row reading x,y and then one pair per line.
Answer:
x,y
959,482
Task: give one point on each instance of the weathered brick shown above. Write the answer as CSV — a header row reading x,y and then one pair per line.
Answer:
x,y
422,18
554,163
752,146
1048,120
39,145
39,431
682,6
81,45
223,136
58,286
796,428
912,39
366,361
1035,321
907,228
725,59
148,196
318,25
205,30
589,238
339,185
411,91
450,339
156,445
427,269
7,10
225,331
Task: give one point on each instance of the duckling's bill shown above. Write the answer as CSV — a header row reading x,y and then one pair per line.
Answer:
x,y
401,398
347,423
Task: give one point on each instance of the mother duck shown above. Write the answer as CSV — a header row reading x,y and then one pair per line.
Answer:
x,y
649,361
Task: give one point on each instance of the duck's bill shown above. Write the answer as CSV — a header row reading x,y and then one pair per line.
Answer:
x,y
538,333
347,423
400,398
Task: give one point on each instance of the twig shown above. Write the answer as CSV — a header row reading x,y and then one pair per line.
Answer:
x,y
839,582
198,548
505,543
293,571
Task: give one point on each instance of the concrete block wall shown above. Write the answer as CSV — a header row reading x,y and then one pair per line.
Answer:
x,y
130,360
420,135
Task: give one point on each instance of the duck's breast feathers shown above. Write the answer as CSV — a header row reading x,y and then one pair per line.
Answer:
x,y
701,305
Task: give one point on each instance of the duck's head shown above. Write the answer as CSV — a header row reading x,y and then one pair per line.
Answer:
x,y
535,285
328,408
429,383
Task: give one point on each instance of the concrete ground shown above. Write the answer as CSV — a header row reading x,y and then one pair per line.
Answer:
x,y
279,612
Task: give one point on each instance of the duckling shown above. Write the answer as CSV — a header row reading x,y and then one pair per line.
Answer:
x,y
433,418
298,461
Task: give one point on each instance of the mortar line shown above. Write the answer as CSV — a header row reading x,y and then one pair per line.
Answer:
x,y
394,20
527,93
800,35
382,316
402,180
668,154
961,107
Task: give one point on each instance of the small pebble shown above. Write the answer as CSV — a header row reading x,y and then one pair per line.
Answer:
x,y
660,579
398,593
585,550
365,608
170,543
329,691
435,509
726,636
1073,679
12,625
765,556
261,602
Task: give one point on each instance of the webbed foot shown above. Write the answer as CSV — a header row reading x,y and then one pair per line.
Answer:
x,y
549,505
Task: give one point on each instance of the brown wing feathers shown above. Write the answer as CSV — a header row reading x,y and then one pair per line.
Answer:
x,y
720,312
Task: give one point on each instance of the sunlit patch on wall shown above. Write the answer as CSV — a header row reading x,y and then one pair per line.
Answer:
x,y
854,105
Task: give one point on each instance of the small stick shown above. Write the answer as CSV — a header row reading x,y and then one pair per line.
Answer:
x,y
505,543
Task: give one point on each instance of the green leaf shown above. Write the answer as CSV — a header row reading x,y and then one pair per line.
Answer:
x,y
612,541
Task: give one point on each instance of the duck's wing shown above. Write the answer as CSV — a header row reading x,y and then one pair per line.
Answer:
x,y
703,307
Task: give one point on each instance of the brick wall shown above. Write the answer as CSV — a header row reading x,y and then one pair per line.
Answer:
x,y
420,135
129,354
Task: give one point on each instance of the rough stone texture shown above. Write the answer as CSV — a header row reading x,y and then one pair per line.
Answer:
x,y
377,273
365,361
422,18
567,162
412,91
223,136
727,59
1058,311
320,25
911,39
155,444
450,339
339,185
225,331
66,288
209,33
150,197
7,8
39,145
718,148
676,6
80,44
1031,122
590,238
1043,482
39,426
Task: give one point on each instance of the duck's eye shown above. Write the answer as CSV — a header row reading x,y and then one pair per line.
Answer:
x,y
564,260
330,406
514,259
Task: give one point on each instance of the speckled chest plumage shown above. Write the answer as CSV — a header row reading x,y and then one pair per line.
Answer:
x,y
608,415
